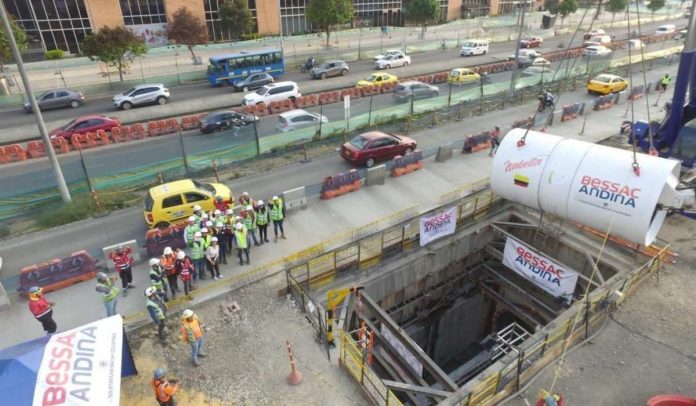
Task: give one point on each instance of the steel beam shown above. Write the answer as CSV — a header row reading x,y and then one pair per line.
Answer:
x,y
521,313
404,387
518,289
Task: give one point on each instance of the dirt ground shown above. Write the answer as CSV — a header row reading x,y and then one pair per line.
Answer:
x,y
247,362
648,348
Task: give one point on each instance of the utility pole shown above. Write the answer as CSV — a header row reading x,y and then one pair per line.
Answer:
x,y
513,80
57,173
280,27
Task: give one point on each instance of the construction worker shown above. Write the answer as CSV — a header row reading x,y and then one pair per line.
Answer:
x,y
240,236
212,259
157,279
167,265
192,333
245,199
42,309
277,209
191,228
495,140
222,241
198,256
204,219
664,82
205,235
229,228
262,219
184,266
250,223
109,291
164,389
197,213
221,204
123,263
157,309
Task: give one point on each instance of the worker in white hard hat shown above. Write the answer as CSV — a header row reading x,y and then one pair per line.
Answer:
x,y
198,256
262,220
167,265
229,229
212,257
157,310
240,236
245,199
107,287
185,269
197,212
250,223
205,237
192,333
277,212
222,241
42,309
191,228
157,279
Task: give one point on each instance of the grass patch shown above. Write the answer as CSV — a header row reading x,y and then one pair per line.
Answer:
x,y
83,206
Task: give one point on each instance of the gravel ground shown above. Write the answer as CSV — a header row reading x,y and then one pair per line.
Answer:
x,y
247,361
646,349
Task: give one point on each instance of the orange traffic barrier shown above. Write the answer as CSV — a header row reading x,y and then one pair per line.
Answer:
x,y
58,273
369,90
440,77
402,165
329,97
15,152
60,145
137,131
172,236
337,185
97,139
308,101
389,87
79,141
120,134
261,110
4,159
36,149
191,122
249,109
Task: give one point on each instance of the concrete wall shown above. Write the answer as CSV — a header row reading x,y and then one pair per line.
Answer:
x,y
194,6
104,13
459,326
268,17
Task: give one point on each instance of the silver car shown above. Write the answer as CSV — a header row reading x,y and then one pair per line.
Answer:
x,y
141,95
294,119
55,99
418,90
330,68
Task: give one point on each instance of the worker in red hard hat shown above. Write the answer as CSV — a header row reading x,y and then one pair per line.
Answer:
x,y
42,309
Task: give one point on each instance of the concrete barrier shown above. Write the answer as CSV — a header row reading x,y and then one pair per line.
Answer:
x,y
337,185
406,164
444,152
132,244
295,198
376,175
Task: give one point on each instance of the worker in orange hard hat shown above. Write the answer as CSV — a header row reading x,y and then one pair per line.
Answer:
x,y
42,309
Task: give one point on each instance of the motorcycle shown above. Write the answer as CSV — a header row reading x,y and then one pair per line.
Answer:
x,y
546,100
309,65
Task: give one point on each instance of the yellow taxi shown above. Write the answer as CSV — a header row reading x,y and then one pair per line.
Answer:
x,y
378,79
462,76
173,202
605,84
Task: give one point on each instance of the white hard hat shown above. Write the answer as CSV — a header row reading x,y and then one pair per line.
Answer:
x,y
181,255
197,234
275,197
168,251
150,291
154,261
196,208
219,224
217,212
245,194
229,211
187,313
214,239
238,218
204,216
239,226
259,203
204,230
208,223
192,219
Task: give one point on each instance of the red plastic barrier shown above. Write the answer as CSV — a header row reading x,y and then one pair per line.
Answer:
x,y
36,149
60,145
120,134
353,92
190,122
308,101
249,109
408,163
329,97
369,90
58,273
337,185
14,152
79,141
157,239
97,139
671,400
389,87
440,77
137,131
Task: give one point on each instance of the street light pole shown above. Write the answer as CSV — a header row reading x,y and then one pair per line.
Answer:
x,y
280,27
57,173
513,80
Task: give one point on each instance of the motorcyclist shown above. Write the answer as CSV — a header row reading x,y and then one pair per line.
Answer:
x,y
311,62
547,99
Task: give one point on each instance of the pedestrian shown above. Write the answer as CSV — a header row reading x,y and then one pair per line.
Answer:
x,y
495,140
229,228
167,264
190,230
123,263
197,213
157,279
184,266
42,309
664,82
198,256
157,310
221,204
107,287
212,257
277,211
262,220
240,236
250,223
222,241
164,389
245,200
192,333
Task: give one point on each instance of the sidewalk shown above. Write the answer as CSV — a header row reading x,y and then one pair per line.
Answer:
x,y
321,221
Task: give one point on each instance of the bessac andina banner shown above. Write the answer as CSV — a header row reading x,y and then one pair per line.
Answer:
x,y
437,226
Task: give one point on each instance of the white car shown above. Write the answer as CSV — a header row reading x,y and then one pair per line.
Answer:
x,y
294,119
593,33
141,95
474,47
272,92
540,62
389,53
596,50
393,61
526,54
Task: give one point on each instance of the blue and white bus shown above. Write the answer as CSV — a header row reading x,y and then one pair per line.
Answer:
x,y
232,67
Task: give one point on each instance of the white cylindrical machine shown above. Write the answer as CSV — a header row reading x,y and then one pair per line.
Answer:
x,y
587,183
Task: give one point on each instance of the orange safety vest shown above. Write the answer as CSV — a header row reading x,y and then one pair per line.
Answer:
x,y
163,390
167,264
193,327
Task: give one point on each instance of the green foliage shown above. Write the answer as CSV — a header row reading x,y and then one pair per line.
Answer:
x,y
325,14
83,206
250,36
655,5
20,39
551,6
114,46
53,54
236,17
187,29
567,7
423,12
615,6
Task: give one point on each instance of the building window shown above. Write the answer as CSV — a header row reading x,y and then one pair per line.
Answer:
x,y
377,13
143,12
444,5
212,19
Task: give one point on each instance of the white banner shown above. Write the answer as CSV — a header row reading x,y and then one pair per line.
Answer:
x,y
154,35
82,366
437,226
544,272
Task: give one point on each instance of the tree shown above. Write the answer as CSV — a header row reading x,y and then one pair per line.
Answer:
x,y
615,6
551,6
114,46
187,29
325,14
20,39
423,12
236,18
655,5
567,7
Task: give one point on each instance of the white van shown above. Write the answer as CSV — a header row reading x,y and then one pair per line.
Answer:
x,y
598,40
665,29
474,47
272,92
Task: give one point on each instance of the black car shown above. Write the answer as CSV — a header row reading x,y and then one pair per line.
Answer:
x,y
221,120
253,81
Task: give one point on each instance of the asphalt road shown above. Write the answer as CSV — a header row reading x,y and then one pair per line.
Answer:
x,y
421,63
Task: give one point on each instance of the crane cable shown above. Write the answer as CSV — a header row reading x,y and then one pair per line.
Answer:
x,y
652,150
635,165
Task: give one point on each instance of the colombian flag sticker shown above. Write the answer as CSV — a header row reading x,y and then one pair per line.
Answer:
x,y
521,180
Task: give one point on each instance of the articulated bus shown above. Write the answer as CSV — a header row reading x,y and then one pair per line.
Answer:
x,y
232,67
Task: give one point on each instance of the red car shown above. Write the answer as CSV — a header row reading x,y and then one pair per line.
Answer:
x,y
85,124
531,42
370,147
